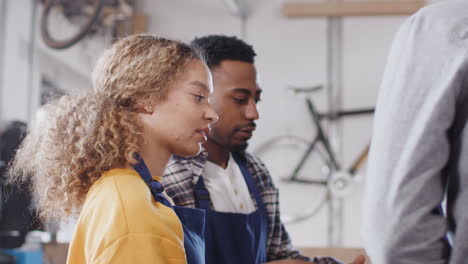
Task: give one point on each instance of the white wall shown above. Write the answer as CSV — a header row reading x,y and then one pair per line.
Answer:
x,y
16,64
69,68
290,52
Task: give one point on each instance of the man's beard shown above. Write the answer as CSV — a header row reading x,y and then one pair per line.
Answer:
x,y
238,147
226,142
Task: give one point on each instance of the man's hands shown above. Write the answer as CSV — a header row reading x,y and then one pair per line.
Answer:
x,y
289,261
358,260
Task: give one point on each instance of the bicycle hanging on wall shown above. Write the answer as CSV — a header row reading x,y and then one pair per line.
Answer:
x,y
66,22
309,166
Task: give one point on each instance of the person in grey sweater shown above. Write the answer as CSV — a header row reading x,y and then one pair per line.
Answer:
x,y
419,153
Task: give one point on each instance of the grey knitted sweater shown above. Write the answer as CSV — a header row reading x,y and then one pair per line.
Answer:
x,y
419,152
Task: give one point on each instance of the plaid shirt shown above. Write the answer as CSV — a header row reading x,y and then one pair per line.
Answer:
x,y
182,175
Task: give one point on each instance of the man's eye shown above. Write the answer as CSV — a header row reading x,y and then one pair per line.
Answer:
x,y
240,100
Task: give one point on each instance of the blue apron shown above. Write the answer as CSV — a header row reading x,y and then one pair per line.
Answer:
x,y
193,220
232,238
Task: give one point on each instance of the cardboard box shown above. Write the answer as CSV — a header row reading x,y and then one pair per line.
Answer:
x,y
55,253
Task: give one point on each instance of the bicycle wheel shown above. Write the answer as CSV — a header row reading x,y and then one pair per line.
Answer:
x,y
65,22
304,196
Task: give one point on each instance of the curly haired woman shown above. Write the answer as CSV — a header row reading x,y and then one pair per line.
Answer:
x,y
102,153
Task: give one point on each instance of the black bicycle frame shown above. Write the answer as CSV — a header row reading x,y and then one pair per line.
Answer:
x,y
322,138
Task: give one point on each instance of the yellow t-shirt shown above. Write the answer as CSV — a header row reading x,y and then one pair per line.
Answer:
x,y
122,223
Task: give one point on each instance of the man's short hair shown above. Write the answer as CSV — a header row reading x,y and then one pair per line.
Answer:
x,y
217,48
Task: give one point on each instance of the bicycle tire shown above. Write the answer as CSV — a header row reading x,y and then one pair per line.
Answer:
x,y
269,152
63,44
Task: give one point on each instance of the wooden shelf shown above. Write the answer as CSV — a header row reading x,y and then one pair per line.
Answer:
x,y
361,8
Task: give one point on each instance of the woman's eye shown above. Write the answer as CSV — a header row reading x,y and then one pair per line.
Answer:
x,y
199,98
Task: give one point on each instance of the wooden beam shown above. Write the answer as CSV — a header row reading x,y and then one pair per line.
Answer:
x,y
139,23
361,8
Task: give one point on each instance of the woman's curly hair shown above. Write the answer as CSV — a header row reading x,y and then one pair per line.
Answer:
x,y
86,134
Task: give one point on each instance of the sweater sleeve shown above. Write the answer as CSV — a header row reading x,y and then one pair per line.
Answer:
x,y
416,108
142,248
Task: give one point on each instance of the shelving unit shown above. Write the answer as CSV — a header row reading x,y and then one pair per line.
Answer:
x,y
351,8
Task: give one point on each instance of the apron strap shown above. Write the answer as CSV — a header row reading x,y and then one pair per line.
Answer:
x,y
202,196
155,187
250,183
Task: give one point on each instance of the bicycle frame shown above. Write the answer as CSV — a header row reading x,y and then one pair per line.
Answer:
x,y
321,137
324,170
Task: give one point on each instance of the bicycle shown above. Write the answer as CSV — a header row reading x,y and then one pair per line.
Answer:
x,y
312,168
66,22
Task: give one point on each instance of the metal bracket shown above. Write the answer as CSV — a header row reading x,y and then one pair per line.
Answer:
x,y
237,8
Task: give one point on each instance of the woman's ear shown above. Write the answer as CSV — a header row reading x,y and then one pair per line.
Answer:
x,y
148,109
145,108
